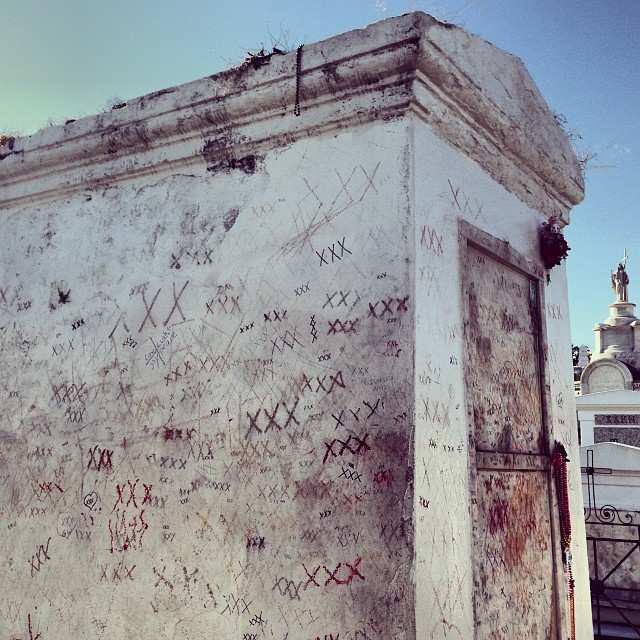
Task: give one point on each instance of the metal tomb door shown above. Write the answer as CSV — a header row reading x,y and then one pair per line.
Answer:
x,y
514,592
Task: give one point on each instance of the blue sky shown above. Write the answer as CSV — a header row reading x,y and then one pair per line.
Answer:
x,y
68,58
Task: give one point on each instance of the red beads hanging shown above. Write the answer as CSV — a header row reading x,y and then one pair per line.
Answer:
x,y
559,461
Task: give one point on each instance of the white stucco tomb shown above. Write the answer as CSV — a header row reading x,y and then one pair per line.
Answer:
x,y
608,402
281,359
615,476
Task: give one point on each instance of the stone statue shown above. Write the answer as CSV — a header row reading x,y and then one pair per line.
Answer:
x,y
620,281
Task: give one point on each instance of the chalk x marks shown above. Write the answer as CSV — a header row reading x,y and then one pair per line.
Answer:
x,y
270,422
166,462
318,383
302,289
236,606
431,240
148,308
333,252
463,203
353,444
390,306
278,316
67,393
340,298
314,330
287,587
60,349
289,340
332,576
40,557
175,306
117,574
230,305
100,459
126,531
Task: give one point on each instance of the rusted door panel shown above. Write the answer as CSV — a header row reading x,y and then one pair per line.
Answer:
x,y
502,343
512,533
513,556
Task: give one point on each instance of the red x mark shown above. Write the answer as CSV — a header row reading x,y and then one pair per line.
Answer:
x,y
326,486
312,578
354,570
176,304
387,306
147,493
31,636
306,383
299,489
333,325
336,381
148,308
332,576
132,495
402,304
329,450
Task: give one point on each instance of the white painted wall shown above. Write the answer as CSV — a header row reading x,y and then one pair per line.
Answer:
x,y
250,315
616,479
450,188
622,402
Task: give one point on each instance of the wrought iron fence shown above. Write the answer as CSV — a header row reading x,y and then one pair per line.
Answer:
x,y
613,544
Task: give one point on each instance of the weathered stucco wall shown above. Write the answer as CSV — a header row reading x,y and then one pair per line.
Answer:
x,y
204,399
236,402
508,584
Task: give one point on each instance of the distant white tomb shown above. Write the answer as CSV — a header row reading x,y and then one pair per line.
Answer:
x,y
608,403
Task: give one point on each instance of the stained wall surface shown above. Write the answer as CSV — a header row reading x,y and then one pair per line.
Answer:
x,y
236,345
490,379
206,430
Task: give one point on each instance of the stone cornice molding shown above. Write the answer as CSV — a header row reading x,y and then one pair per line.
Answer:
x,y
412,64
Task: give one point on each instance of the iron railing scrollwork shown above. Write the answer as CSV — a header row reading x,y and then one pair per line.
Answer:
x,y
613,537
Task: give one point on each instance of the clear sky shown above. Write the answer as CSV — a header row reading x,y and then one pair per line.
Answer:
x,y
65,59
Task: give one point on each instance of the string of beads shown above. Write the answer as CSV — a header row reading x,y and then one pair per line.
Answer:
x,y
296,107
559,461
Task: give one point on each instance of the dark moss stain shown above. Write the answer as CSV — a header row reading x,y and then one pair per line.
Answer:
x,y
230,218
505,441
8,140
63,298
331,74
126,138
213,148
248,164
